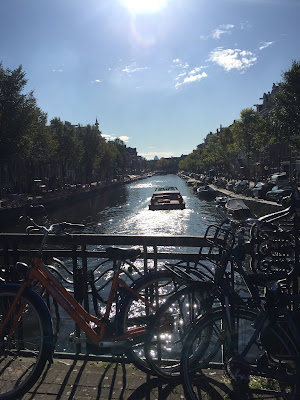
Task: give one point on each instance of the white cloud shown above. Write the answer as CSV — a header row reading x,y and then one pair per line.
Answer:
x,y
192,78
151,154
245,25
179,64
129,69
218,32
96,81
264,45
113,137
124,138
195,70
108,137
233,58
180,76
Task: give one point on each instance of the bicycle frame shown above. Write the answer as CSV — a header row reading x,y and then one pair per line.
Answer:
x,y
38,272
264,318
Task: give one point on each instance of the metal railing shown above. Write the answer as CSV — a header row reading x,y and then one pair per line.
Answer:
x,y
81,253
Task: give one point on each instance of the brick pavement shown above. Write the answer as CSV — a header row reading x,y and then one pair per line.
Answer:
x,y
68,379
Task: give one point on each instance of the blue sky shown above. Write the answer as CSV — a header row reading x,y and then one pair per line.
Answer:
x,y
159,74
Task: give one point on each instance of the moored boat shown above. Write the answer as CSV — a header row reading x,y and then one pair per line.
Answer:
x,y
166,198
206,192
221,200
237,208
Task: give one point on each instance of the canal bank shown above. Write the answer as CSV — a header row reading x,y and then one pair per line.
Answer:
x,y
54,200
258,207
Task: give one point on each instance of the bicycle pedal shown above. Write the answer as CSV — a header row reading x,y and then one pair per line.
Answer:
x,y
116,347
114,344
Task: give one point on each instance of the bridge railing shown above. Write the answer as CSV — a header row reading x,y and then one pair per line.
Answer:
x,y
83,252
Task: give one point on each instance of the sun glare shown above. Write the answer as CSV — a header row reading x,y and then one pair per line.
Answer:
x,y
144,6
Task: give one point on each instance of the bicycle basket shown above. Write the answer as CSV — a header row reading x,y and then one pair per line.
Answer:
x,y
219,239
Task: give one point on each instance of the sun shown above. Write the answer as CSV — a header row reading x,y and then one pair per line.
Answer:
x,y
144,6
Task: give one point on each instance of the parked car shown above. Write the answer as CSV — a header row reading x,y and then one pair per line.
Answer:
x,y
279,179
220,183
277,193
260,189
240,186
229,185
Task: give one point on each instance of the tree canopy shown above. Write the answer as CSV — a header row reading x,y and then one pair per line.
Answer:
x,y
285,113
20,117
25,135
252,133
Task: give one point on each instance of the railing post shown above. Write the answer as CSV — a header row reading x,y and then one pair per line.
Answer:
x,y
145,259
84,278
155,257
6,263
78,289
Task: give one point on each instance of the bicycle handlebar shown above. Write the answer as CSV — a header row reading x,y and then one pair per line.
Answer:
x,y
58,227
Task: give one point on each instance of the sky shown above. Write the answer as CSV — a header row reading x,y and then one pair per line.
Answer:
x,y
158,74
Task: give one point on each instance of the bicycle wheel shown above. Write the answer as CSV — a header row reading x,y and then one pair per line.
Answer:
x,y
163,343
155,388
156,287
25,350
257,374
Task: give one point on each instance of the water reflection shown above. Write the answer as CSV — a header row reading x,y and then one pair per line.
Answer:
x,y
124,210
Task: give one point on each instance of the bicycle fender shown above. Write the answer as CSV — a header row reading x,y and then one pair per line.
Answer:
x,y
42,306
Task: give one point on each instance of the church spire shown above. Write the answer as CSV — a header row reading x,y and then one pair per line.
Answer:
x,y
97,124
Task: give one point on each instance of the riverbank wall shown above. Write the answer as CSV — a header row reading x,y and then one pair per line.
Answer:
x,y
52,201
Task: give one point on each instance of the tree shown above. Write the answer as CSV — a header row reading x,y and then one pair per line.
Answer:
x,y
19,114
249,132
69,145
193,162
285,113
91,142
121,154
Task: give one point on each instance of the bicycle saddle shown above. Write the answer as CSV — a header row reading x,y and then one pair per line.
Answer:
x,y
118,253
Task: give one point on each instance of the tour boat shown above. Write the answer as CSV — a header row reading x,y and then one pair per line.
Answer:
x,y
166,198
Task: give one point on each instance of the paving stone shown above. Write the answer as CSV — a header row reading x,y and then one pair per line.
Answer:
x,y
90,380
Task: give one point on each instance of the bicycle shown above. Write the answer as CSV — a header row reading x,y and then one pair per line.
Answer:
x,y
257,341
201,293
227,253
259,351
26,331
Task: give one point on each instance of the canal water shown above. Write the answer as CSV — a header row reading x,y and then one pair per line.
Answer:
x,y
124,211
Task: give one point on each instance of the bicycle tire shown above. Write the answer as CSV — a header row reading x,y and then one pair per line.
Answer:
x,y
163,343
269,381
157,287
24,355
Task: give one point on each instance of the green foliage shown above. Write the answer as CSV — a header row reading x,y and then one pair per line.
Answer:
x,y
60,147
91,140
249,132
69,147
285,114
20,118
